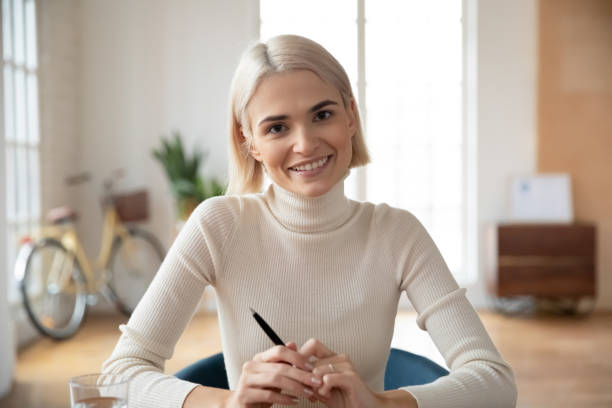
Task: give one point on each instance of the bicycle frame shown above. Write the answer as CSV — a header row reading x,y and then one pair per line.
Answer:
x,y
68,237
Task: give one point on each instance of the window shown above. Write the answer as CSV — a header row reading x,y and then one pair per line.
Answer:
x,y
405,61
21,127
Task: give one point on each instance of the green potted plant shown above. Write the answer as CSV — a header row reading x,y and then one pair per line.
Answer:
x,y
188,187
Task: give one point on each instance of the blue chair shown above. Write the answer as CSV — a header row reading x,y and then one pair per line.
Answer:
x,y
403,369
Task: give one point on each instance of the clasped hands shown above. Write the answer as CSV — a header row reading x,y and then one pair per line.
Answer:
x,y
282,373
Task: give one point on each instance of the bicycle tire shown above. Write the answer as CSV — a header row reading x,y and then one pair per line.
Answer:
x,y
126,286
25,271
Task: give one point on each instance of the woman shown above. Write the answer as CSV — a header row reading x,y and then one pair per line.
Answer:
x,y
325,271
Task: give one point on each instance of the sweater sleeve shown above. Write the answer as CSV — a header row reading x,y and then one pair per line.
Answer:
x,y
149,337
479,376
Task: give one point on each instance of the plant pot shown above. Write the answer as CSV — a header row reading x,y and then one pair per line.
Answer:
x,y
185,207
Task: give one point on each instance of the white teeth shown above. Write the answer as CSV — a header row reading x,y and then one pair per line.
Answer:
x,y
312,166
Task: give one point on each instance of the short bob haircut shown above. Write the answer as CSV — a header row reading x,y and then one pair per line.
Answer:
x,y
282,53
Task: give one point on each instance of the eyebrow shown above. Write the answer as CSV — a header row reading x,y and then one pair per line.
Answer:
x,y
311,110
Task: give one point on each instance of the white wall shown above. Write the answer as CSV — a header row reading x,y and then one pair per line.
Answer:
x,y
147,67
506,114
58,53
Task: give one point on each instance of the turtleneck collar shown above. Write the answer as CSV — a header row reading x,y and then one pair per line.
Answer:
x,y
310,214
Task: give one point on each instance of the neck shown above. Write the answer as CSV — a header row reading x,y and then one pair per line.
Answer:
x,y
310,214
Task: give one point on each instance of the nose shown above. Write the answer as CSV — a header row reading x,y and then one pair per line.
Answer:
x,y
305,141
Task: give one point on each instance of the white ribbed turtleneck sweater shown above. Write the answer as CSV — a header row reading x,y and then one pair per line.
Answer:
x,y
324,267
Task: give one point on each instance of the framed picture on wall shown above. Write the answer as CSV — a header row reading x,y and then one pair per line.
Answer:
x,y
541,198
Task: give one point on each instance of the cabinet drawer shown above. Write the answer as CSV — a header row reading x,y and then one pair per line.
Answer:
x,y
545,281
545,260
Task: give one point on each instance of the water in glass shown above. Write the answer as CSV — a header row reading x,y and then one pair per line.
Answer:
x,y
101,402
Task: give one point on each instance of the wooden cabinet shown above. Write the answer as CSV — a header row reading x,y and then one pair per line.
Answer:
x,y
542,260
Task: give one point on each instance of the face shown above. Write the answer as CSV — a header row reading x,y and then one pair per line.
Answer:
x,y
302,133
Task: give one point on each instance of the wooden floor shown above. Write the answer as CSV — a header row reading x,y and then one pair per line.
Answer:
x,y
559,361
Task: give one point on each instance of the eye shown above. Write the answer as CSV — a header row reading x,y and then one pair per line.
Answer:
x,y
275,129
324,114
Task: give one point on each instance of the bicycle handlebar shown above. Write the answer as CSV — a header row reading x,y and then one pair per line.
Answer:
x,y
85,176
116,174
107,183
78,178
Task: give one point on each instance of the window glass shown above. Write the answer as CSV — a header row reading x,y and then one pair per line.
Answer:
x,y
414,99
32,109
9,114
20,106
30,31
9,158
18,32
7,34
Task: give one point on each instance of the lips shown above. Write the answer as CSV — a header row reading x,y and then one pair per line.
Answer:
x,y
312,165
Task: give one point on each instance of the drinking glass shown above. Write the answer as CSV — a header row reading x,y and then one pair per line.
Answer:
x,y
99,391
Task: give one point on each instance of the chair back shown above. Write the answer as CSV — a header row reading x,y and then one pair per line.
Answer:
x,y
209,372
403,369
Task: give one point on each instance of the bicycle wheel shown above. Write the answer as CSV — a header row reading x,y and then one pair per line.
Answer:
x,y
133,264
53,288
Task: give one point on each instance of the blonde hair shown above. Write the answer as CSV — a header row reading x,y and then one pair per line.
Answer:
x,y
280,54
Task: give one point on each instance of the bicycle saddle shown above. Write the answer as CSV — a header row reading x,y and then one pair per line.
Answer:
x,y
60,215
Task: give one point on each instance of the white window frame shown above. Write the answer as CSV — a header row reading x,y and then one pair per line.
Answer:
x,y
27,217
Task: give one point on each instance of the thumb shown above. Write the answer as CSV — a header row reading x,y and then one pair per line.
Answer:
x,y
291,345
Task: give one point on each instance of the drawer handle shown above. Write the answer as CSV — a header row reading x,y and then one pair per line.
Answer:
x,y
539,260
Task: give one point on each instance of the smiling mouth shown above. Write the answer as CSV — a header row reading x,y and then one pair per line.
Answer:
x,y
312,165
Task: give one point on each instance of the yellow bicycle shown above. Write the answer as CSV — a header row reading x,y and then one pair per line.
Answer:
x,y
58,281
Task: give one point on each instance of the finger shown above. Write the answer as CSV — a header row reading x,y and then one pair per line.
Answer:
x,y
322,369
280,382
291,345
343,381
258,396
283,354
315,347
318,397
306,378
335,359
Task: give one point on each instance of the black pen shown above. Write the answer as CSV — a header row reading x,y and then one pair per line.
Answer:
x,y
262,323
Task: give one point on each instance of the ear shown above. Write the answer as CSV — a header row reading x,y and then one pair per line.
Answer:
x,y
251,146
255,153
352,116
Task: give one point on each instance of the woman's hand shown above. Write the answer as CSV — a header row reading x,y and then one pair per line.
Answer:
x,y
342,387
270,376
